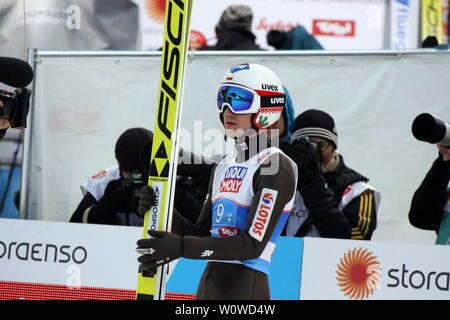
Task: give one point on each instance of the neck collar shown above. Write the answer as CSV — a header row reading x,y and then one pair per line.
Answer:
x,y
249,146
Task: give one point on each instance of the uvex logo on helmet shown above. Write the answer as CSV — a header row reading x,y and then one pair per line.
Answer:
x,y
270,87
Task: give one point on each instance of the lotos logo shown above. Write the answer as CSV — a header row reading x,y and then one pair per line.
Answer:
x,y
336,28
267,198
233,179
240,67
156,10
358,273
229,231
263,213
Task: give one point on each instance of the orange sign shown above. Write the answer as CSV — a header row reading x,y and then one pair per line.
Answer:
x,y
358,273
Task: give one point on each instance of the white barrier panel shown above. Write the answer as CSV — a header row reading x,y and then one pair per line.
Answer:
x,y
74,255
53,260
84,101
343,24
345,269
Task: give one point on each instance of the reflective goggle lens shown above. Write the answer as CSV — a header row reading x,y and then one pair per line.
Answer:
x,y
239,99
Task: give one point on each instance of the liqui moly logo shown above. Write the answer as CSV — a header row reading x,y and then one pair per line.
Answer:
x,y
233,179
263,213
334,28
228,231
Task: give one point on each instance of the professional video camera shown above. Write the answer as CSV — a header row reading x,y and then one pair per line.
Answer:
x,y
18,74
132,186
15,107
430,129
300,150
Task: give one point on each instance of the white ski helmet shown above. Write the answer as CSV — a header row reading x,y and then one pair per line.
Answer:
x,y
251,88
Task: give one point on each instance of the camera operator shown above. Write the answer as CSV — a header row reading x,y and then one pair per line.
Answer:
x,y
430,205
110,196
14,106
332,200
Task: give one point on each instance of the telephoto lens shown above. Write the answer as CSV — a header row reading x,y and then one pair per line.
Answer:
x,y
301,150
430,129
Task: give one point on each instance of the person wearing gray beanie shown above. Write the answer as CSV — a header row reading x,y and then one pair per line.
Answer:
x,y
234,30
333,200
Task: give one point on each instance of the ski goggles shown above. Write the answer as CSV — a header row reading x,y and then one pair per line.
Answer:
x,y
239,99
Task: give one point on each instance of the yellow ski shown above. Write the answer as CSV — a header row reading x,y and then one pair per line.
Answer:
x,y
151,286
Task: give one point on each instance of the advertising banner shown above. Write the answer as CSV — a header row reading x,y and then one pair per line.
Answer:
x,y
359,270
67,260
431,20
404,16
336,24
67,25
55,260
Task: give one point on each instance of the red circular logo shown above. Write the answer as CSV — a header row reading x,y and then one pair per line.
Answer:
x,y
358,273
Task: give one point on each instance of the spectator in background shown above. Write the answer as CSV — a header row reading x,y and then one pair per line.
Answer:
x,y
432,42
332,200
296,39
430,205
233,30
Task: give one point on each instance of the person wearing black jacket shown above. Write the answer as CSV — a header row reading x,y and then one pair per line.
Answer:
x,y
233,30
112,195
430,205
333,200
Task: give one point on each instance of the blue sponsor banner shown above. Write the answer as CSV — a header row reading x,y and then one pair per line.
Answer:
x,y
403,2
284,274
9,208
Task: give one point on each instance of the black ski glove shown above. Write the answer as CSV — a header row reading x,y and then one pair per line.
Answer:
x,y
116,198
147,199
163,248
307,156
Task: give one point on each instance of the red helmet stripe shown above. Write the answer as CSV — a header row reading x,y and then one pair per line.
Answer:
x,y
264,93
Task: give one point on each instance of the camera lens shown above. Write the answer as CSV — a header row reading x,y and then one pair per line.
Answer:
x,y
427,128
299,153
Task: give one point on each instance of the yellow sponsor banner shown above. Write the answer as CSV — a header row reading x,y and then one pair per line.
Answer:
x,y
431,20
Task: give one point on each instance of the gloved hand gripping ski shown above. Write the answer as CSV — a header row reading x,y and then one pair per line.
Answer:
x,y
162,248
147,199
